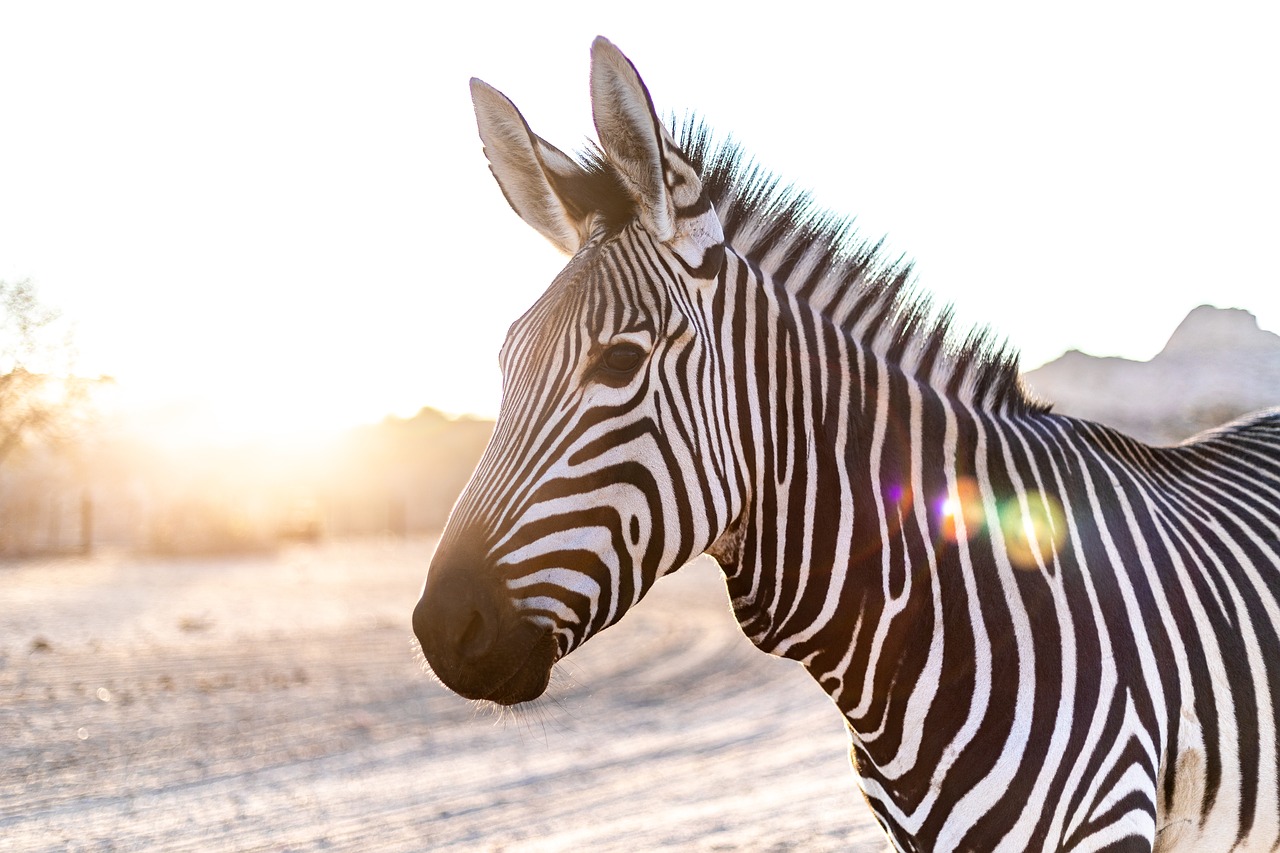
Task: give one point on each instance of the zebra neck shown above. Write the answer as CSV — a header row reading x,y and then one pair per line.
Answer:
x,y
828,454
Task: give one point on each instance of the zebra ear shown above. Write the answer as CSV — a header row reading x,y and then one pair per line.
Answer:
x,y
666,188
528,169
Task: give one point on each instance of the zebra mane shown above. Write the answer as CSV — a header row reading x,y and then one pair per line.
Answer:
x,y
820,258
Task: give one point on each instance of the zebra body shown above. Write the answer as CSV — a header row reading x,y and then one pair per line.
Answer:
x,y
1043,635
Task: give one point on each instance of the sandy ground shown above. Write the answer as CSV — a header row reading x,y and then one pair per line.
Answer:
x,y
278,703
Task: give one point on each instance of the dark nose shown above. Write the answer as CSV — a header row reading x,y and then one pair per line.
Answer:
x,y
457,618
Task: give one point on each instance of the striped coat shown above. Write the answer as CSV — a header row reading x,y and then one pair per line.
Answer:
x,y
1043,635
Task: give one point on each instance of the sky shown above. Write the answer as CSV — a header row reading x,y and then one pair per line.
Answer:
x,y
276,216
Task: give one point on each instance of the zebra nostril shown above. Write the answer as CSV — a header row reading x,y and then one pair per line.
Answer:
x,y
475,639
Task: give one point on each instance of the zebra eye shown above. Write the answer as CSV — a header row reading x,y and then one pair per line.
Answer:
x,y
622,359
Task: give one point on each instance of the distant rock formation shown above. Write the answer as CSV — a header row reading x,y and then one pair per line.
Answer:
x,y
1217,365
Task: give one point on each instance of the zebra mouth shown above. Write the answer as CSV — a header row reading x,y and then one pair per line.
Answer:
x,y
516,671
530,678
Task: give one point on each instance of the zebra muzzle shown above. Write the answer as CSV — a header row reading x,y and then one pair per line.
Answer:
x,y
475,641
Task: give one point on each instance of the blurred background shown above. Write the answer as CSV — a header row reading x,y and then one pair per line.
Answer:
x,y
254,274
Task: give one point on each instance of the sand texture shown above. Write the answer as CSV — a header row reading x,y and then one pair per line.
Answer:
x,y
278,702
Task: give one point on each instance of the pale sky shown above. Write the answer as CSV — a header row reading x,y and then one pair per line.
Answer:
x,y
272,214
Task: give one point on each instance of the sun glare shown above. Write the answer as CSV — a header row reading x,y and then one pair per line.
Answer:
x,y
961,511
195,421
1034,529
1032,524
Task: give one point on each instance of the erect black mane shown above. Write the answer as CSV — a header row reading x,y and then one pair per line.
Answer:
x,y
779,227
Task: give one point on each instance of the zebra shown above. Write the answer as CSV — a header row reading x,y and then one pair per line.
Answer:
x,y
1042,634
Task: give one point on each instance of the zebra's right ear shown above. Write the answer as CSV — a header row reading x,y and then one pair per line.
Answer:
x,y
528,169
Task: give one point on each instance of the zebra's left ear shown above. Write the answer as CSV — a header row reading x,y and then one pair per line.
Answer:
x,y
666,188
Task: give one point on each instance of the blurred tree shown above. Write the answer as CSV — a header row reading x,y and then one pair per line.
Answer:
x,y
38,394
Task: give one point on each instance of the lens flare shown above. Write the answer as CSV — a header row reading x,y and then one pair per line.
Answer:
x,y
961,511
898,501
1034,528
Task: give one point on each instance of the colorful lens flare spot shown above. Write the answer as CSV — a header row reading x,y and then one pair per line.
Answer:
x,y
1033,533
898,496
961,511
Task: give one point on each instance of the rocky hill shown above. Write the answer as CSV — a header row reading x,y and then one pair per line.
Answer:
x,y
1217,365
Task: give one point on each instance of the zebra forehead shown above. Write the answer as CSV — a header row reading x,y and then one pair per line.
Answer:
x,y
595,293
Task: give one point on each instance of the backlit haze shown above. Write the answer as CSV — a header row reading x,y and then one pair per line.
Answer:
x,y
277,219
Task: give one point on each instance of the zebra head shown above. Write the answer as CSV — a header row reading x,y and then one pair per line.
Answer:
x,y
603,473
